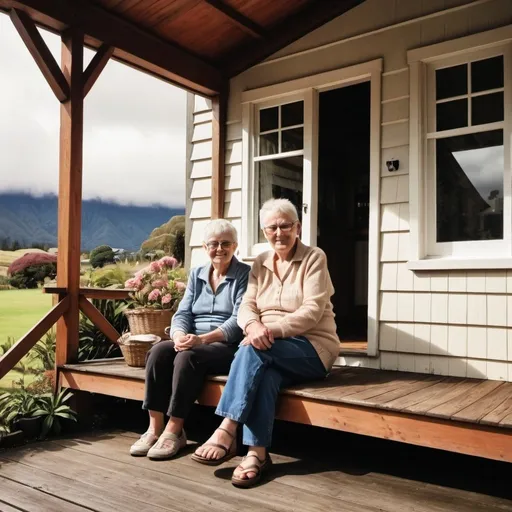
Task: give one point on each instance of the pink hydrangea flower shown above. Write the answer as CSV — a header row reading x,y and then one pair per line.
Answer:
x,y
159,283
154,295
180,286
166,298
134,282
155,266
168,262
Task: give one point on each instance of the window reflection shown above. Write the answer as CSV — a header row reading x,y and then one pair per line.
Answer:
x,y
280,178
469,182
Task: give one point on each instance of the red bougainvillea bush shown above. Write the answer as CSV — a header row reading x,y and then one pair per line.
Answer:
x,y
32,269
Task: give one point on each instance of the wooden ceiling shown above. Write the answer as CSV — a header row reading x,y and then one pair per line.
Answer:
x,y
198,44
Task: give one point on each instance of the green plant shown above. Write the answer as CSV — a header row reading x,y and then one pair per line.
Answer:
x,y
17,404
101,256
53,409
32,269
92,342
44,350
110,276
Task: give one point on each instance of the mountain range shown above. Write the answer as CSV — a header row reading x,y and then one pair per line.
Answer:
x,y
30,219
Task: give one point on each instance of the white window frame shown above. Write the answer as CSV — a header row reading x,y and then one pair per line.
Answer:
x,y
308,89
425,253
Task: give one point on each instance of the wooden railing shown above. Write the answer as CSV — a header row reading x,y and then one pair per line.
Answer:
x,y
21,348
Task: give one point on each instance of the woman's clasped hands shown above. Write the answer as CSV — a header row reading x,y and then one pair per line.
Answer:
x,y
258,336
186,342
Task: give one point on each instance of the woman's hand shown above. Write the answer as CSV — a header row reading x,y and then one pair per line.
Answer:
x,y
187,342
258,336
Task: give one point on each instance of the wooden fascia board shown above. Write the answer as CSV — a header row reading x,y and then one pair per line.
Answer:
x,y
295,27
163,58
41,54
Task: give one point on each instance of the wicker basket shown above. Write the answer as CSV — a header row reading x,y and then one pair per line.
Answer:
x,y
149,321
134,352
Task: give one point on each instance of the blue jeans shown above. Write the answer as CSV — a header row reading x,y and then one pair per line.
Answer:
x,y
254,381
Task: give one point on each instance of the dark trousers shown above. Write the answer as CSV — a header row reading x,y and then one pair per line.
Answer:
x,y
175,379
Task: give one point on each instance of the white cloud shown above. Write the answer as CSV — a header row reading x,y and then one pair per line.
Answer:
x,y
134,130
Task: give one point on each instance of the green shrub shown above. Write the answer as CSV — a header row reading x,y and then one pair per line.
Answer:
x,y
101,256
93,344
110,276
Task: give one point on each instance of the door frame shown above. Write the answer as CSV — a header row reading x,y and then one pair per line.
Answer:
x,y
309,88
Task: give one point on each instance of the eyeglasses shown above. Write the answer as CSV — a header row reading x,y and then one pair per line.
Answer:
x,y
215,245
286,227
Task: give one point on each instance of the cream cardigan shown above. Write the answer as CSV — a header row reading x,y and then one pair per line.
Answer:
x,y
299,305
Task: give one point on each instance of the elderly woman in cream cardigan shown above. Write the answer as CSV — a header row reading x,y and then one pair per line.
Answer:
x,y
290,337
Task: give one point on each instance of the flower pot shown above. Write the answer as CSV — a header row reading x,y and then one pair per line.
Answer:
x,y
12,439
149,321
31,427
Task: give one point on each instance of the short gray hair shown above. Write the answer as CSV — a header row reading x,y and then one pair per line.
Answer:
x,y
218,227
284,206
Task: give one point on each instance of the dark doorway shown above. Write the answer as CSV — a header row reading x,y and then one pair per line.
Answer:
x,y
343,202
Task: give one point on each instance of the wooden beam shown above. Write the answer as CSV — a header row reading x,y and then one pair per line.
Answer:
x,y
27,342
70,195
89,309
93,293
243,22
121,387
467,438
294,27
40,53
219,111
96,66
133,44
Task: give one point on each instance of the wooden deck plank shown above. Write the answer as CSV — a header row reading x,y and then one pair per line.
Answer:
x,y
58,481
402,393
423,393
324,475
27,499
506,421
125,482
476,411
202,490
450,388
499,413
398,384
456,404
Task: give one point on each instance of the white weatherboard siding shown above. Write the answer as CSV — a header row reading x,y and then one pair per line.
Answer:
x,y
447,322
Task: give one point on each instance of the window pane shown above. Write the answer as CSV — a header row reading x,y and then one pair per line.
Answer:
x,y
451,82
282,177
292,114
452,114
469,182
487,108
487,74
268,144
292,140
269,119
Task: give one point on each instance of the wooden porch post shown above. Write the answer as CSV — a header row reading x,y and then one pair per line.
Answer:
x,y
219,111
70,194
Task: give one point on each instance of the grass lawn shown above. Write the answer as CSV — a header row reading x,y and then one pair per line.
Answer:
x,y
20,310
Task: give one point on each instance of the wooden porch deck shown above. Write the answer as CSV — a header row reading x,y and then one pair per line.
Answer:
x,y
94,472
468,416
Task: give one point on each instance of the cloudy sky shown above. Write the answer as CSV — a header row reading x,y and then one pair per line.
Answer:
x,y
134,130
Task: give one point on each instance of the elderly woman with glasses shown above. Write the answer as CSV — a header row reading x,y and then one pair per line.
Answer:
x,y
205,337
290,337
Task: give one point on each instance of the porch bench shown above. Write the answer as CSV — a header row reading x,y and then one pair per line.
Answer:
x,y
468,416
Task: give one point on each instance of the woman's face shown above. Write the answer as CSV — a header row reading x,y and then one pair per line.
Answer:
x,y
281,231
220,248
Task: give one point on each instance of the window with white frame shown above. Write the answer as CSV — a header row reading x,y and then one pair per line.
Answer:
x,y
279,154
467,155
